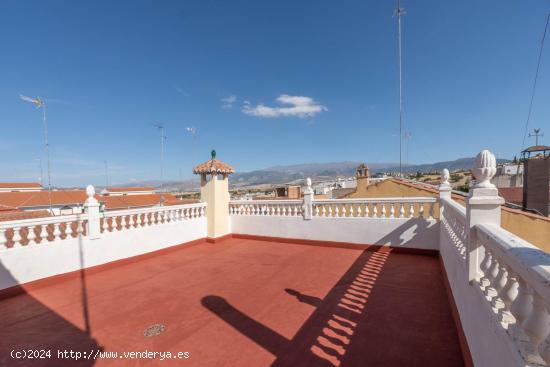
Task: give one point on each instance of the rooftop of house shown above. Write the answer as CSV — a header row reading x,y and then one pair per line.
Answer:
x,y
34,199
20,185
130,189
263,303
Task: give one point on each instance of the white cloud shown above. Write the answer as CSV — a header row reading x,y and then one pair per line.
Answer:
x,y
227,102
298,106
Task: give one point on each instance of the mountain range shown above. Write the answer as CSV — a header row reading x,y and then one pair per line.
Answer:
x,y
317,172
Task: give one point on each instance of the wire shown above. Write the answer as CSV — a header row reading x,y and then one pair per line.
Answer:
x,y
535,83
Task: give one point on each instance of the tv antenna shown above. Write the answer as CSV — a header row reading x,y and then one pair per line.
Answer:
x,y
536,133
399,12
160,127
39,103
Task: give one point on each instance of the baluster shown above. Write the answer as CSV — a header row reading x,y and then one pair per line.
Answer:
x,y
484,267
105,225
492,273
401,210
3,238
508,294
31,235
336,210
411,210
359,211
132,221
69,232
344,210
374,210
56,231
41,231
521,306
536,324
392,210
79,228
383,214
114,224
330,210
16,239
421,210
500,283
366,212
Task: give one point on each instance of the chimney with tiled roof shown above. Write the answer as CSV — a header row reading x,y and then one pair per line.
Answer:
x,y
215,193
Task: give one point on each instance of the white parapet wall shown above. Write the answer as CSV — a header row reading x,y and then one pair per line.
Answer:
x,y
399,222
124,234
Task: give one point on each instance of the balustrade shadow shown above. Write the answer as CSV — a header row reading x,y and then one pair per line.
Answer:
x,y
424,231
28,325
387,310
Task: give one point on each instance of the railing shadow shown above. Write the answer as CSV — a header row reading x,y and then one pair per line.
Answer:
x,y
423,231
29,325
375,315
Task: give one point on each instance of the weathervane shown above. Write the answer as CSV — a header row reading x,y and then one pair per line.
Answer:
x,y
213,154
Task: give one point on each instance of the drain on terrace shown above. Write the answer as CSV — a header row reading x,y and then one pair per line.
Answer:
x,y
154,330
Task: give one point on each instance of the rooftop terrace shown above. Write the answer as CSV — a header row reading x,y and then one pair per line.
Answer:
x,y
248,303
419,281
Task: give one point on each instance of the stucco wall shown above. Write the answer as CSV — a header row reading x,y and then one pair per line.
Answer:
x,y
24,264
412,233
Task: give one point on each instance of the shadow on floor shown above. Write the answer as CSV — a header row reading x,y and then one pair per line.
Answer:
x,y
386,310
32,326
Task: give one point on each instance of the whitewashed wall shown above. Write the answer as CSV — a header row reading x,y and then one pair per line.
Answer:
x,y
416,233
27,263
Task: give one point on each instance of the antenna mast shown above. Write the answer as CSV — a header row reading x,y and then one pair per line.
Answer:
x,y
399,11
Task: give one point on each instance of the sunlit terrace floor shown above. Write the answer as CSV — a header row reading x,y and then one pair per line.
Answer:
x,y
245,303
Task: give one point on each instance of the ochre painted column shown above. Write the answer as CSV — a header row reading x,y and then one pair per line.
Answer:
x,y
215,193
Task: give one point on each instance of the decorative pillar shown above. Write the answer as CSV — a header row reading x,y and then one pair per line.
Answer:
x,y
215,193
308,200
445,188
482,207
91,206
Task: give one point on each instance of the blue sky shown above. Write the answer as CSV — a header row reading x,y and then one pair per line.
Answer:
x,y
109,69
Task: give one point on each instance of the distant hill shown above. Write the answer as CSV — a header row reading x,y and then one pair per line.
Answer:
x,y
317,171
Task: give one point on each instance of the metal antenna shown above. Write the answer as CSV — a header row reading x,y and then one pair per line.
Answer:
x,y
106,175
162,139
399,11
39,159
408,137
536,133
39,103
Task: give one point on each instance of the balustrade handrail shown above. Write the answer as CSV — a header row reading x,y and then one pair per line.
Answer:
x,y
155,209
526,260
378,200
455,207
43,221
289,201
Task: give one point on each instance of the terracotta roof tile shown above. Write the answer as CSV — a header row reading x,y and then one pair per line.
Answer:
x,y
213,166
18,215
8,185
130,189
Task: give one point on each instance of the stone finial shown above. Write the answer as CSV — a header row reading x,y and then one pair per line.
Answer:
x,y
485,167
445,176
90,191
308,189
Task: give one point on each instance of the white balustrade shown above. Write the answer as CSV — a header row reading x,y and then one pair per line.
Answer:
x,y
335,208
453,224
516,281
30,232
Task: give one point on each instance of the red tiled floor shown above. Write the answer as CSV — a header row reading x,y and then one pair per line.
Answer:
x,y
245,303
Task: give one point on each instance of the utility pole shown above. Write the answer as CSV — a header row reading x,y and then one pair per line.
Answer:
x,y
399,11
536,133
